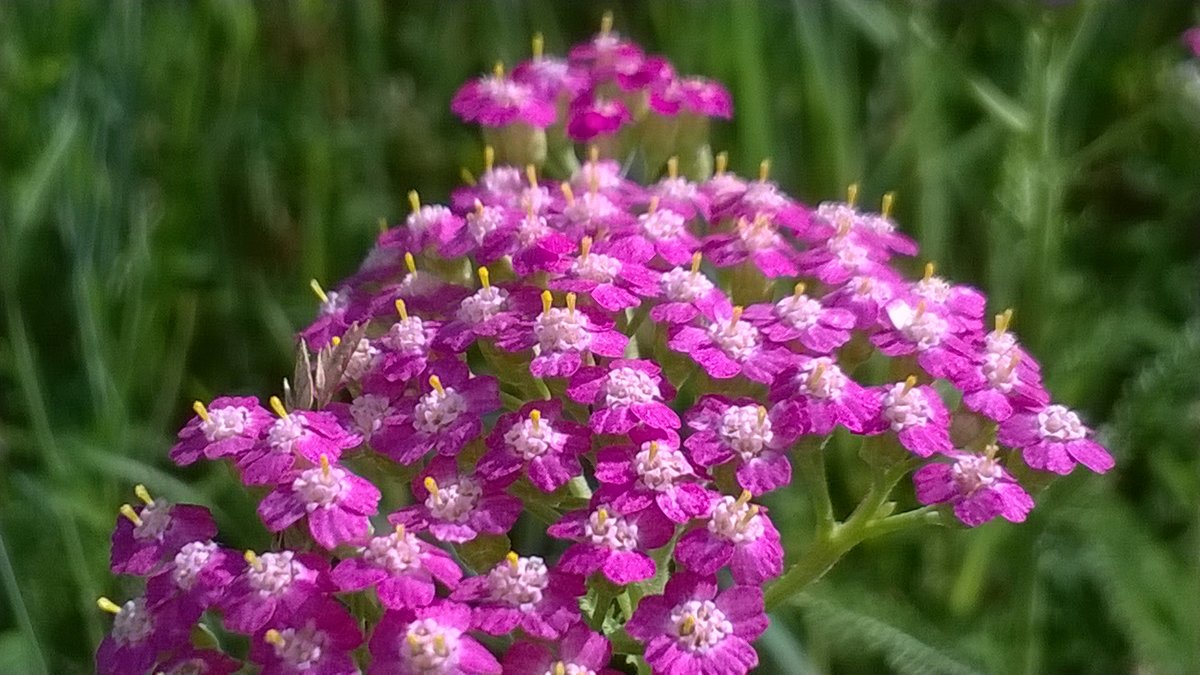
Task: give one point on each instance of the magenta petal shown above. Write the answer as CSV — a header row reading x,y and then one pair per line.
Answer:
x,y
627,567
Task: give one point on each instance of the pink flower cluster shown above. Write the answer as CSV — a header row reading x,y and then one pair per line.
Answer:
x,y
595,373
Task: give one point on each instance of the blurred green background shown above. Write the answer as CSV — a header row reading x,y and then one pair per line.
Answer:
x,y
172,174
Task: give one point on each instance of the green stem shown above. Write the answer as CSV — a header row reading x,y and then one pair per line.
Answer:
x,y
605,593
811,464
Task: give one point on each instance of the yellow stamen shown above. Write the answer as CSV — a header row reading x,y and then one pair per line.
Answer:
x,y
131,515
606,23
1013,361
570,304
143,494
885,208
743,498
764,170
688,626
277,406
316,288
439,643
478,208
673,167
325,467
568,193
108,605
1003,320
489,157
929,269
335,341
436,383
414,200
485,277
696,262
498,69
535,418
402,309
410,262
594,182
560,668
585,247
431,485
798,289
273,637
414,644
252,560
201,411
815,376
721,162
400,530
602,516
547,301
750,514
593,154
762,414
512,559
538,45
467,177
852,194
531,175
383,223
653,450
653,204
734,318
920,308
909,383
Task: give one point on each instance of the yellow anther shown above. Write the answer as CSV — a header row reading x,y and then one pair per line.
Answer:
x,y
593,182
402,309
593,154
653,204
531,175
721,162
688,626
316,289
762,414
252,560
335,341
885,209
414,200
414,643
512,559
798,289
653,450
571,304
920,307
764,170
498,69
478,207
560,668
436,383
143,494
273,637
410,262
909,383
606,22
547,301
750,514
814,378
489,157
485,277
1003,320
325,467
130,515
585,247
1013,361
734,318
602,516
201,411
696,257
852,194
108,605
673,167
277,406
929,270
535,418
400,530
383,224
431,485
537,45
743,498
467,177
439,643
567,192
991,450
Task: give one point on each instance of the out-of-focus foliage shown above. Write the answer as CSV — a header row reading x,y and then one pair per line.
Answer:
x,y
172,174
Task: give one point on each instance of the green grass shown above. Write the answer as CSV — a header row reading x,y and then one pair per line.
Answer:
x,y
171,175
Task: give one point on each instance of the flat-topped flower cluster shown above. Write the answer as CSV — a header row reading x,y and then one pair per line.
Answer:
x,y
634,366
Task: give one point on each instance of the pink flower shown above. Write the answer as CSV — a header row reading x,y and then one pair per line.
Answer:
x,y
551,77
591,116
697,96
864,297
687,294
443,417
336,502
531,244
1191,39
319,639
976,486
431,639
843,257
405,348
580,651
522,592
607,55
230,425
737,534
1003,378
693,628
195,579
563,336
273,588
147,535
485,313
653,473
591,214
297,439
743,432
728,346
612,273
803,319
876,231
915,414
139,633
757,241
538,440
908,329
1052,438
624,394
822,397
187,660
664,231
962,305
611,542
457,507
400,567
498,101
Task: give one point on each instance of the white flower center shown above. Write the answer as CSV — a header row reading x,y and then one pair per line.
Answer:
x,y
588,207
189,562
535,200
430,647
301,648
760,196
735,522
850,255
747,430
596,267
225,423
611,531
520,584
286,432
483,221
905,408
426,217
738,340
659,467
437,410
482,305
156,518
626,386
676,188
922,327
972,473
841,216
822,378
532,230
933,289
562,330
334,303
604,175
1060,423
133,623
320,488
564,668
757,235
999,342
407,336
1000,369
361,359
369,411
397,553
699,625
502,180
274,573
530,441
681,285
454,501
504,91
799,311
663,224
